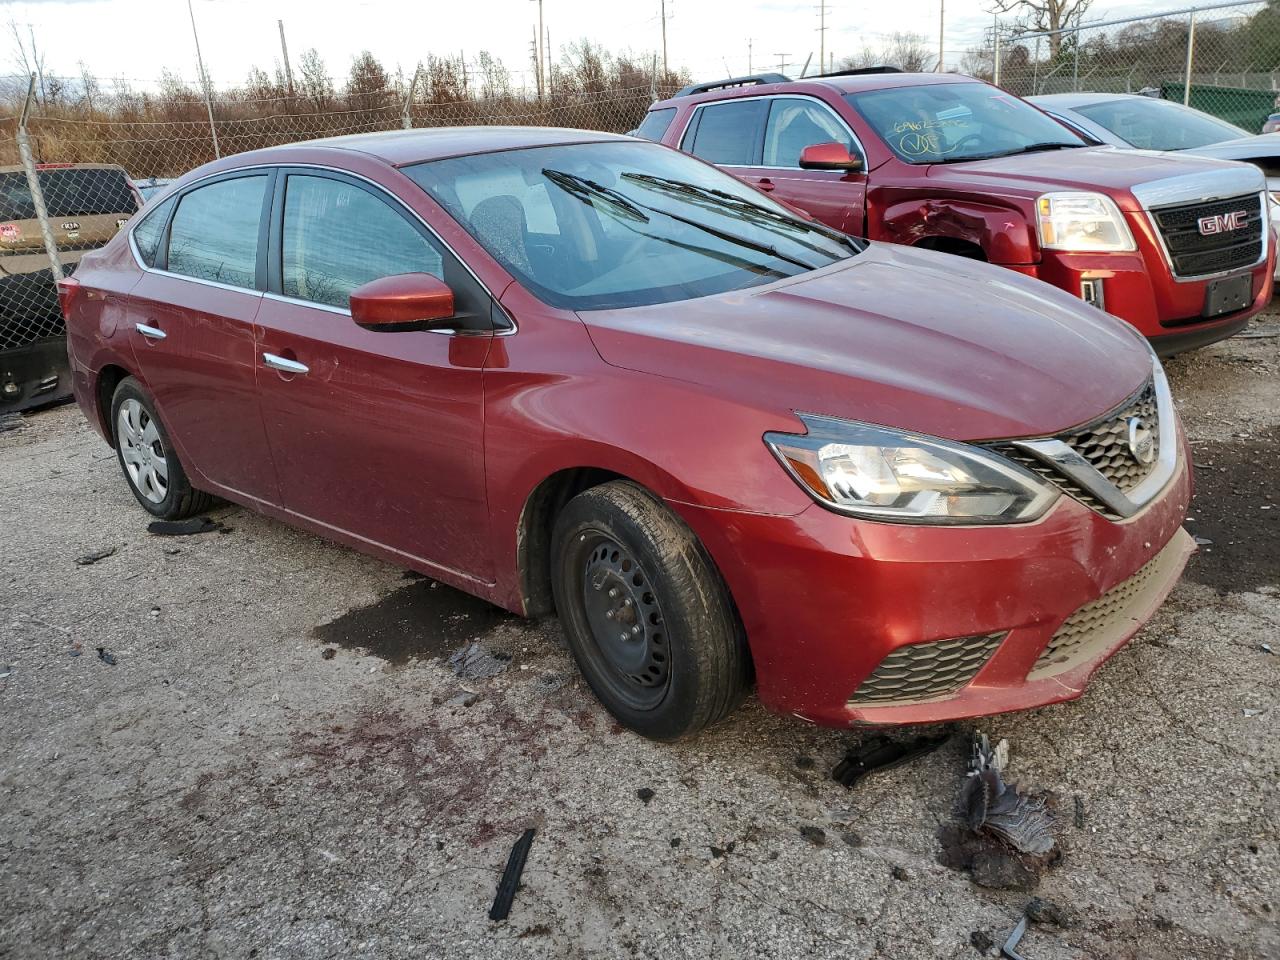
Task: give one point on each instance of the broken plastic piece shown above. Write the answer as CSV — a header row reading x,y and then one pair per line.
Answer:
x,y
991,805
183,528
89,559
881,753
106,656
510,881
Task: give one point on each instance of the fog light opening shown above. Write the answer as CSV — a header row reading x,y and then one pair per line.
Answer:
x,y
1091,292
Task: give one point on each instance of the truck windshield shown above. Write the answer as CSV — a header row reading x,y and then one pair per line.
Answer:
x,y
619,224
1151,124
954,122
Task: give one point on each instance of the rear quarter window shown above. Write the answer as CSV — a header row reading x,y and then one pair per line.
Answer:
x,y
146,235
655,124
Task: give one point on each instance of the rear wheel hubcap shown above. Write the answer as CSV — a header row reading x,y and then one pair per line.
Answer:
x,y
142,451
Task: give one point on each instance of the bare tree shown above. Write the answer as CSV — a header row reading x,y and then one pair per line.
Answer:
x,y
1044,15
29,55
906,51
316,85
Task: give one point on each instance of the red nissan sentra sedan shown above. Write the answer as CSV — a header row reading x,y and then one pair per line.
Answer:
x,y
575,372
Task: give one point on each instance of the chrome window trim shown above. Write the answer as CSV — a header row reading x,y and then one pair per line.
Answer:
x,y
862,152
1072,465
285,166
1263,205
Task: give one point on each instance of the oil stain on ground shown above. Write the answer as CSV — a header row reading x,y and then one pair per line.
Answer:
x,y
1235,481
416,622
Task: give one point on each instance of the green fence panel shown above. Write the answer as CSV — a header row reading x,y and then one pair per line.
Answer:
x,y
1245,108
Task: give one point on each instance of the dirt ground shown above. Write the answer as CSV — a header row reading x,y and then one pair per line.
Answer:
x,y
280,764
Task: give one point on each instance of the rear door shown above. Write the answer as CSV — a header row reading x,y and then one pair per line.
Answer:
x,y
193,313
730,134
834,197
375,434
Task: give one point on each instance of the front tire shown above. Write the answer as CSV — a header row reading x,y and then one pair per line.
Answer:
x,y
647,617
147,458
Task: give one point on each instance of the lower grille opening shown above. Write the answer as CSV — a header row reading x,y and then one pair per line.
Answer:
x,y
927,671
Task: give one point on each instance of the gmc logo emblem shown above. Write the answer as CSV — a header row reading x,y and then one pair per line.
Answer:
x,y
1222,223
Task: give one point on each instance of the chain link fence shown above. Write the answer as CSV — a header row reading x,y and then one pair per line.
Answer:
x,y
1223,59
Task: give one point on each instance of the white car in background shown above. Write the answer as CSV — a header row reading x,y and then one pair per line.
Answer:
x,y
1129,121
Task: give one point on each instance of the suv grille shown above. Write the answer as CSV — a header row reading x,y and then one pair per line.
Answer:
x,y
1105,444
925,671
1194,253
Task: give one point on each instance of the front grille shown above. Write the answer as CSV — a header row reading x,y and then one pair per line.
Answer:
x,y
1105,444
925,671
1195,254
1106,618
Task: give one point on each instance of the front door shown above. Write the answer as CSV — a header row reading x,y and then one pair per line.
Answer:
x,y
377,435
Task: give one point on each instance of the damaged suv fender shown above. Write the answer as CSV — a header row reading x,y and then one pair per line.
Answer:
x,y
1001,233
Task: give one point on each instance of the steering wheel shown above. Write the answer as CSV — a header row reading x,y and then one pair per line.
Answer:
x,y
976,137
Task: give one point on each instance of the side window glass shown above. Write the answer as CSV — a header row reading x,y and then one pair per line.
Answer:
x,y
338,236
214,235
729,132
655,123
146,235
795,124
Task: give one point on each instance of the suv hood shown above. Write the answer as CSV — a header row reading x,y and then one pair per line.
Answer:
x,y
912,339
1114,172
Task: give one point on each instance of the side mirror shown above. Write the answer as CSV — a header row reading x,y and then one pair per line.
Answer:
x,y
829,156
406,301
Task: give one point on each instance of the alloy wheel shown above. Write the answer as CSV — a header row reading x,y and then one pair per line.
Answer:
x,y
142,451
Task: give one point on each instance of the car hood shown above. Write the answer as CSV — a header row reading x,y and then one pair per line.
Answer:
x,y
906,338
1265,146
1112,171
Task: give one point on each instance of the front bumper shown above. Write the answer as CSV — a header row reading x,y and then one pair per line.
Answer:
x,y
825,599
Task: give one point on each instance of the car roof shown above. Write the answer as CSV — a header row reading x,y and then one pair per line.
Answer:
x,y
402,147
849,84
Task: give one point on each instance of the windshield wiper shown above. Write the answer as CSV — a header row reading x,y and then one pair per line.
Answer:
x,y
588,190
742,205
1029,148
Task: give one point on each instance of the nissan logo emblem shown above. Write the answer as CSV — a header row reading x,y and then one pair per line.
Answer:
x,y
1142,442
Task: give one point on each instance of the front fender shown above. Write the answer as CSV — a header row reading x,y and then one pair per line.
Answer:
x,y
1001,232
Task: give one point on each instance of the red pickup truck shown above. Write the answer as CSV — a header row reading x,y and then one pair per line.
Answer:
x,y
1181,247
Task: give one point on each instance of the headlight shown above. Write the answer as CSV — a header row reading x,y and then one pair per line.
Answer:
x,y
1081,222
881,474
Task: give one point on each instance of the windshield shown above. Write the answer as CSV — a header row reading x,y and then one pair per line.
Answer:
x,y
950,122
620,224
73,192
1151,124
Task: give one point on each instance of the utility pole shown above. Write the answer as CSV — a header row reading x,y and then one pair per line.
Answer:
x,y
749,69
284,54
204,79
536,55
782,62
538,51
995,49
665,70
942,30
547,48
822,34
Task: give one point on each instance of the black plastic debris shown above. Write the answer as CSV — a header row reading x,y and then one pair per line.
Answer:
x,y
474,662
645,794
510,881
881,753
11,421
185,528
89,559
980,941
992,806
106,656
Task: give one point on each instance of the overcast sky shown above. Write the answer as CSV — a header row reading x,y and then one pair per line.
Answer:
x,y
136,39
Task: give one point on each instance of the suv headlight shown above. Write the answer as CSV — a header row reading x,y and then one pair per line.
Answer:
x,y
880,474
1082,222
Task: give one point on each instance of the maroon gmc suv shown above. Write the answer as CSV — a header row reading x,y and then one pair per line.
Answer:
x,y
1181,247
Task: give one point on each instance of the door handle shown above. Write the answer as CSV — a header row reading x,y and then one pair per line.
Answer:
x,y
151,333
284,364
766,185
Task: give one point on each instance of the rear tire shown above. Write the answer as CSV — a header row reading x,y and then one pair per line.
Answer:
x,y
647,617
149,462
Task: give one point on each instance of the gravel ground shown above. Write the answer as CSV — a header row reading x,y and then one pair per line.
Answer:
x,y
280,764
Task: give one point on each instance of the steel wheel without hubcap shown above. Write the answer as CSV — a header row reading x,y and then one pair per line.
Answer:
x,y
142,451
626,623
